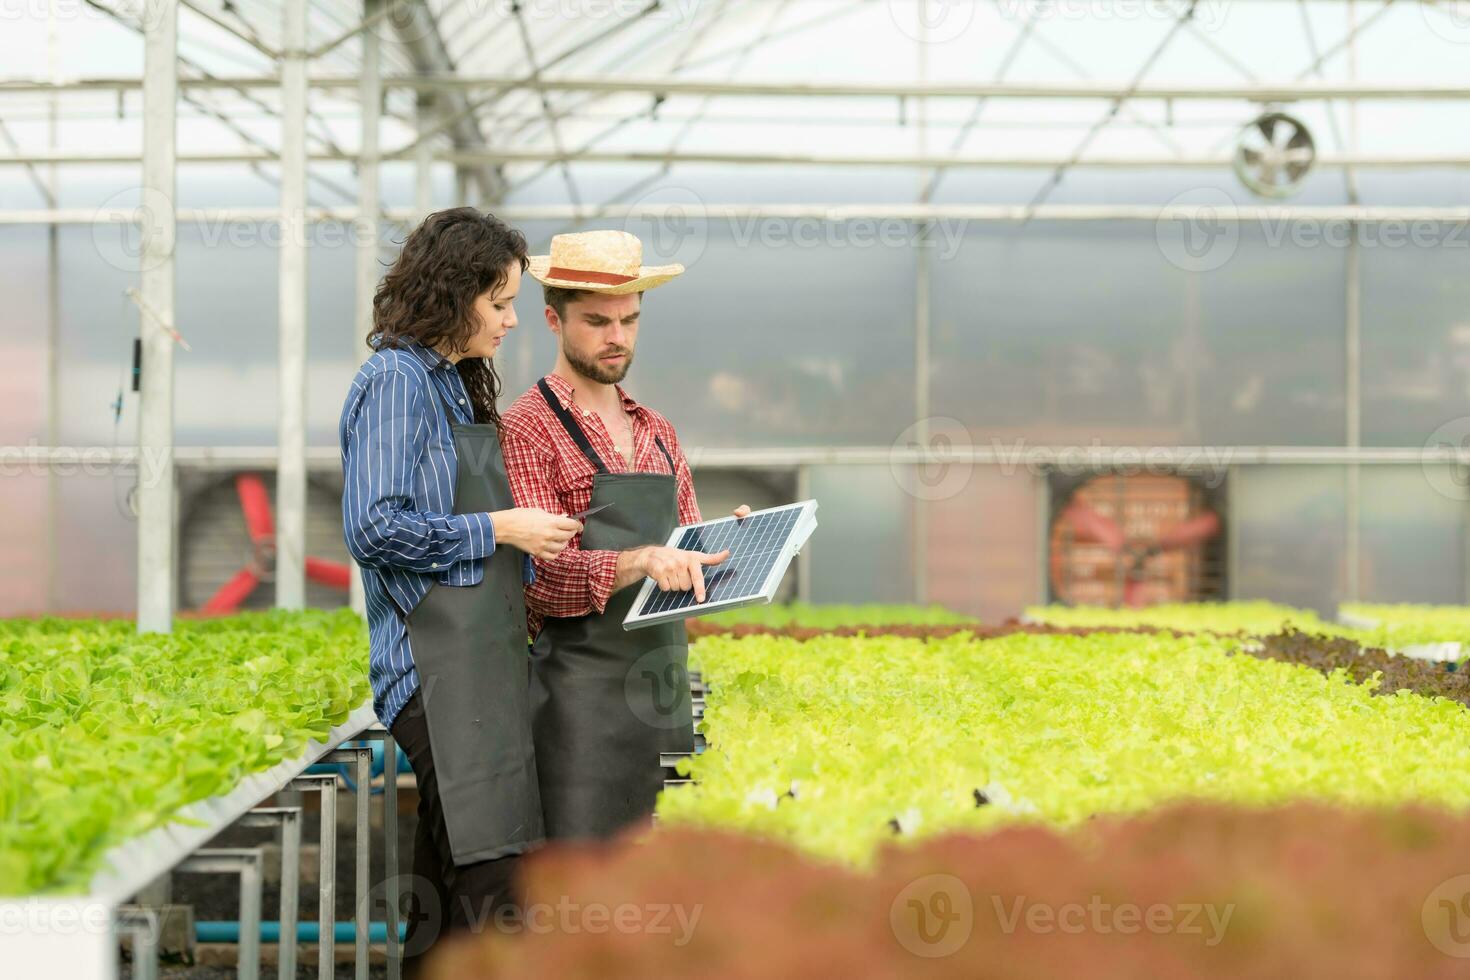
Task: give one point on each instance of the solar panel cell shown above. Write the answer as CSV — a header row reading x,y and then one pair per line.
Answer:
x,y
761,546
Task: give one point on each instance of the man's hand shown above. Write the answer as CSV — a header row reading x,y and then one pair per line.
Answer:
x,y
677,571
742,512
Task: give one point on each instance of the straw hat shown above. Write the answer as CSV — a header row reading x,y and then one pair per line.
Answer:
x,y
599,262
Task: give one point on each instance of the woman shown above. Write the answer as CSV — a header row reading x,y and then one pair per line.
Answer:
x,y
444,552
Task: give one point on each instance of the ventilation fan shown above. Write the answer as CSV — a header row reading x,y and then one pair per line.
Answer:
x,y
1273,154
227,544
1136,540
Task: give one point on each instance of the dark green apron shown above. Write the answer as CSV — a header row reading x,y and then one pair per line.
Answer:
x,y
469,647
606,701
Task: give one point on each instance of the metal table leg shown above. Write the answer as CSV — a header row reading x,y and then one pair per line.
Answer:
x,y
363,756
327,877
247,863
390,844
288,818
142,925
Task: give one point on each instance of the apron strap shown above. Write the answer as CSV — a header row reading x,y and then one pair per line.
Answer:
x,y
663,449
570,424
574,429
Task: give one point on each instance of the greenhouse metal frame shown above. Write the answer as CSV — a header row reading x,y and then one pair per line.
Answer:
x,y
449,105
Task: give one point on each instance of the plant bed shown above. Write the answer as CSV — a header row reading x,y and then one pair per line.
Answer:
x,y
106,734
1198,891
1051,728
836,615
1362,665
1201,617
699,628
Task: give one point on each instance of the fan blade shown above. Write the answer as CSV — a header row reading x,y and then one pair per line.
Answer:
x,y
1133,594
1093,527
232,593
1196,530
329,573
256,505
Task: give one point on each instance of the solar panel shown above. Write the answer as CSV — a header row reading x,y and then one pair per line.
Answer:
x,y
761,548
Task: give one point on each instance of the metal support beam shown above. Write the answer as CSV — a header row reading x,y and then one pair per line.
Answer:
x,y
155,497
291,372
419,36
247,863
715,211
52,195
998,451
444,81
288,819
920,548
141,925
370,98
669,158
363,759
1352,504
326,912
423,162
377,732
1353,492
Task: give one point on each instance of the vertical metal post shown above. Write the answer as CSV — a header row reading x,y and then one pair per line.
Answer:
x,y
925,229
1042,483
423,159
156,401
1232,529
1353,492
53,318
290,892
142,925
327,883
250,882
291,437
288,818
370,98
390,844
362,757
363,919
246,862
327,868
921,409
803,557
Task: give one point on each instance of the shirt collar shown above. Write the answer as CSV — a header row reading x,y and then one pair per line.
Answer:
x,y
562,388
430,358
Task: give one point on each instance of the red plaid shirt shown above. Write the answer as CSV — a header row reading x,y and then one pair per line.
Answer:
x,y
547,470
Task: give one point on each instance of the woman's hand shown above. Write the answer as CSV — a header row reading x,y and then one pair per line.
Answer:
x,y
539,533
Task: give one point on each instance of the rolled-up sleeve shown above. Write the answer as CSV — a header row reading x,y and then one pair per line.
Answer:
x,y
384,439
575,582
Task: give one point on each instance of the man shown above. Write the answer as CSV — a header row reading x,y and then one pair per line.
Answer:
x,y
605,701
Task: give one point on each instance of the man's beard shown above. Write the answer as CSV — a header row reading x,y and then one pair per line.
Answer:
x,y
595,370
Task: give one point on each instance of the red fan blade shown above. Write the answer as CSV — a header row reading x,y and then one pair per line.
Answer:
x,y
232,593
329,573
256,504
1093,527
1196,530
1133,594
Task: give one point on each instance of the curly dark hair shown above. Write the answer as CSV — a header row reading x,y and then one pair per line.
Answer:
x,y
428,296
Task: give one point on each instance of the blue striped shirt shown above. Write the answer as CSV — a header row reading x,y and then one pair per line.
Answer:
x,y
398,469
